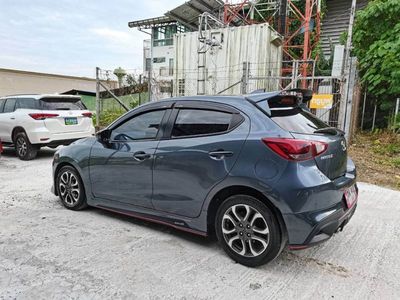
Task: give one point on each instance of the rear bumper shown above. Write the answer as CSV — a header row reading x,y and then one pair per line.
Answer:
x,y
315,205
327,227
46,138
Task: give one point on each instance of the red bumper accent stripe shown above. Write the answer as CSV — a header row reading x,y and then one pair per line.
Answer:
x,y
153,220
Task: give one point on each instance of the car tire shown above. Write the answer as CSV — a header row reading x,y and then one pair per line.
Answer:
x,y
24,149
248,231
70,188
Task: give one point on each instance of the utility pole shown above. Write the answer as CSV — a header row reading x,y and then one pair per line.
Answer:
x,y
97,98
346,71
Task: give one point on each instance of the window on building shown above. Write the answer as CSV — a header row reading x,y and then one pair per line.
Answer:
x,y
163,71
181,87
164,35
159,60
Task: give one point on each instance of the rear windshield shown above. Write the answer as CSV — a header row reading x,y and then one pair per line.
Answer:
x,y
295,119
62,104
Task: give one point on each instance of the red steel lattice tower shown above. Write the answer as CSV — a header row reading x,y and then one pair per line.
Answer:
x,y
298,21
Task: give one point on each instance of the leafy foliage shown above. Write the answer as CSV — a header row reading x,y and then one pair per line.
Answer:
x,y
377,47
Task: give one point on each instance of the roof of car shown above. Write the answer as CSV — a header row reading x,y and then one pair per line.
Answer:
x,y
40,96
256,97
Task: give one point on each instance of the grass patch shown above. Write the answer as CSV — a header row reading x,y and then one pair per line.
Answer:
x,y
377,156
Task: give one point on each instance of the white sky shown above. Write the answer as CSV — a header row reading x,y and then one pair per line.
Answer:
x,y
74,36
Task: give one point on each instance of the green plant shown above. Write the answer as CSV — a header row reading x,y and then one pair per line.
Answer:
x,y
107,117
396,162
377,47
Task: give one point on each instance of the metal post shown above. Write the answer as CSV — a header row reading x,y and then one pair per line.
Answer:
x,y
396,112
373,120
307,37
151,64
363,111
347,66
140,91
97,98
245,78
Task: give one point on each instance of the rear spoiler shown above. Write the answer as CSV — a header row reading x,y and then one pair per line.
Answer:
x,y
302,96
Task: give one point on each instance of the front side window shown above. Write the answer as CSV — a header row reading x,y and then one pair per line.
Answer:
x,y
9,106
192,122
144,126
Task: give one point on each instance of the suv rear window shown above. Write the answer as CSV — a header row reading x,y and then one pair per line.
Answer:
x,y
62,104
297,120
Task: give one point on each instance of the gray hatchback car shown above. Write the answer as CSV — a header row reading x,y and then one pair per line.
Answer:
x,y
258,170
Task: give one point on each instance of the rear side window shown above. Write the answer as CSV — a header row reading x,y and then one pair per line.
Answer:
x,y
9,106
27,103
62,104
192,122
297,120
2,102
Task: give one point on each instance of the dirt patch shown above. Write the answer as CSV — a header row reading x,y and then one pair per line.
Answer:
x,y
377,157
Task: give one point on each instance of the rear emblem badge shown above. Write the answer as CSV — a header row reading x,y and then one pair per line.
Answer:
x,y
327,157
344,147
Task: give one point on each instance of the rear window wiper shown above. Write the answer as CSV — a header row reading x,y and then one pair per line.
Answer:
x,y
330,130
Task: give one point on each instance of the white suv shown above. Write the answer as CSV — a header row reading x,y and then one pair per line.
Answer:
x,y
32,121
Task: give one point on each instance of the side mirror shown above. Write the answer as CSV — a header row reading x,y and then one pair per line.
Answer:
x,y
103,136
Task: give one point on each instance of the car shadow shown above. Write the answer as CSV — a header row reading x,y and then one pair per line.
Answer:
x,y
42,153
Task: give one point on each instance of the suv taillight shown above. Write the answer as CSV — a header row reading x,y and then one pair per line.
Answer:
x,y
87,114
295,150
40,116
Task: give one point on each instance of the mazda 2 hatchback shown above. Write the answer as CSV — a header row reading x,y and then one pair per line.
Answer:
x,y
257,170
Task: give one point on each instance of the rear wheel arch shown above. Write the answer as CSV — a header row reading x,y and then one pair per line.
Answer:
x,y
17,130
226,192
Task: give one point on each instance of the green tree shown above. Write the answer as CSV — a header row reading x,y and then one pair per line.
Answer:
x,y
376,43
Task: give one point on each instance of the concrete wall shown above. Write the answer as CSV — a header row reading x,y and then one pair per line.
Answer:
x,y
24,82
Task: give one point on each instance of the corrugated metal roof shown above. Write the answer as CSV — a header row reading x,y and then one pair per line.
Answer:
x,y
187,14
148,23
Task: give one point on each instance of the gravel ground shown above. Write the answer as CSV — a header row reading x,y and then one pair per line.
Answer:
x,y
49,252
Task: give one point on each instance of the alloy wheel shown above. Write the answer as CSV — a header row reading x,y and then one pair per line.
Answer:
x,y
22,147
245,230
69,188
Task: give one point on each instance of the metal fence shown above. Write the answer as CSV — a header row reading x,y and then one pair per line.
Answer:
x,y
249,77
117,92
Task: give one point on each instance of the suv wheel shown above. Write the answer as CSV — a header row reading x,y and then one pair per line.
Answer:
x,y
248,231
70,189
25,150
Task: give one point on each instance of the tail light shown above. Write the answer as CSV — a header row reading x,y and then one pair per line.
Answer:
x,y
1,146
41,116
295,150
87,114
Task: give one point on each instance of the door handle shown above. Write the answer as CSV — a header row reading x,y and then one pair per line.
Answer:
x,y
141,156
12,118
220,154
